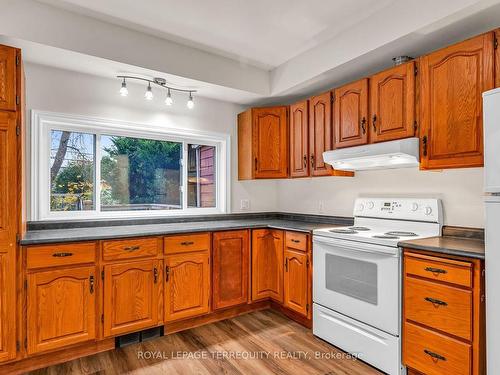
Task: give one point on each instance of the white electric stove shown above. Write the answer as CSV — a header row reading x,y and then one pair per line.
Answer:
x,y
357,276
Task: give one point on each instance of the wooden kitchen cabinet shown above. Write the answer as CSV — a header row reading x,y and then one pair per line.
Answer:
x,y
132,296
296,283
320,133
392,103
267,264
451,85
8,58
443,314
61,308
187,285
497,57
230,254
263,143
351,114
7,305
299,139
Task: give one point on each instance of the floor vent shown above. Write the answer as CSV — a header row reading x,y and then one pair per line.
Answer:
x,y
136,337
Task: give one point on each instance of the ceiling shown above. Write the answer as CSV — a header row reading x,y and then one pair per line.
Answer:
x,y
265,33
254,52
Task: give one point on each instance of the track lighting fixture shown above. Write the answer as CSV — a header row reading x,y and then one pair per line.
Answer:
x,y
159,82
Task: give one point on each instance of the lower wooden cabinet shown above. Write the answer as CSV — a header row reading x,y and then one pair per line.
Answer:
x,y
267,264
187,285
61,308
230,254
443,314
296,285
7,306
131,296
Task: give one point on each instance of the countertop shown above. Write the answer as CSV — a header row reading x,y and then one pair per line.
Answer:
x,y
36,237
460,246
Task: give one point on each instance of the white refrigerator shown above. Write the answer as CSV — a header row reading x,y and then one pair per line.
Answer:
x,y
491,112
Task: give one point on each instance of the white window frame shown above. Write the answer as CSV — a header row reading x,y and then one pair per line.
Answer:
x,y
43,122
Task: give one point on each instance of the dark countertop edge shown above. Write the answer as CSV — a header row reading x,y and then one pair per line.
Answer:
x,y
442,250
94,223
36,241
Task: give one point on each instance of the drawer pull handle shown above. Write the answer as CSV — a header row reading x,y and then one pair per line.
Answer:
x,y
91,284
187,243
62,255
435,301
296,241
435,270
131,248
434,355
286,265
167,273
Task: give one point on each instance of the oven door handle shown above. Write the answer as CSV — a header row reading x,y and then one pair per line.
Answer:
x,y
358,246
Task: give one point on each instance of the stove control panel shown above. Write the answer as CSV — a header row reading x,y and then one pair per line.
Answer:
x,y
415,209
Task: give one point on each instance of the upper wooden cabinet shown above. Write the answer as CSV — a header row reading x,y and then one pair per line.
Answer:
x,y
131,296
351,114
61,308
187,287
7,78
267,264
263,143
451,85
299,139
320,133
392,103
231,254
8,178
497,58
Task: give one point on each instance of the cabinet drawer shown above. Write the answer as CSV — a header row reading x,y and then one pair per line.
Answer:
x,y
434,354
187,243
60,255
440,269
439,306
130,248
296,240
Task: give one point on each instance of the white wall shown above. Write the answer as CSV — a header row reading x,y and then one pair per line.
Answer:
x,y
460,189
56,90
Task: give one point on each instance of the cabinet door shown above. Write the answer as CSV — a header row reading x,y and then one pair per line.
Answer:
x,y
270,142
131,296
60,308
299,145
351,114
320,133
452,82
230,268
296,281
7,305
497,58
267,264
392,103
187,285
7,78
8,230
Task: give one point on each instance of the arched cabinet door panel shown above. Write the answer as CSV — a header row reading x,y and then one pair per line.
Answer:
x,y
187,285
296,281
131,296
452,81
61,308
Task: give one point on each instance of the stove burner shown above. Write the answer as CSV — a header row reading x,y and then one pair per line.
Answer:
x,y
361,229
402,234
386,236
345,231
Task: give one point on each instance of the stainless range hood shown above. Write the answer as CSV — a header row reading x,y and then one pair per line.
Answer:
x,y
402,153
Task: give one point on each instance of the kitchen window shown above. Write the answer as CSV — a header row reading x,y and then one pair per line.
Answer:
x,y
84,168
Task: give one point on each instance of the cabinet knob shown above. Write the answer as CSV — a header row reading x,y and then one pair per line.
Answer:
x,y
363,124
312,161
374,122
305,161
424,145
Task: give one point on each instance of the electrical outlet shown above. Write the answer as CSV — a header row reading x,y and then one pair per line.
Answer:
x,y
245,204
321,207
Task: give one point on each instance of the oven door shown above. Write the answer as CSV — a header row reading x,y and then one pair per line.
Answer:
x,y
359,280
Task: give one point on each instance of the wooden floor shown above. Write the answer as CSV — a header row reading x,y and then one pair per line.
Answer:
x,y
263,342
